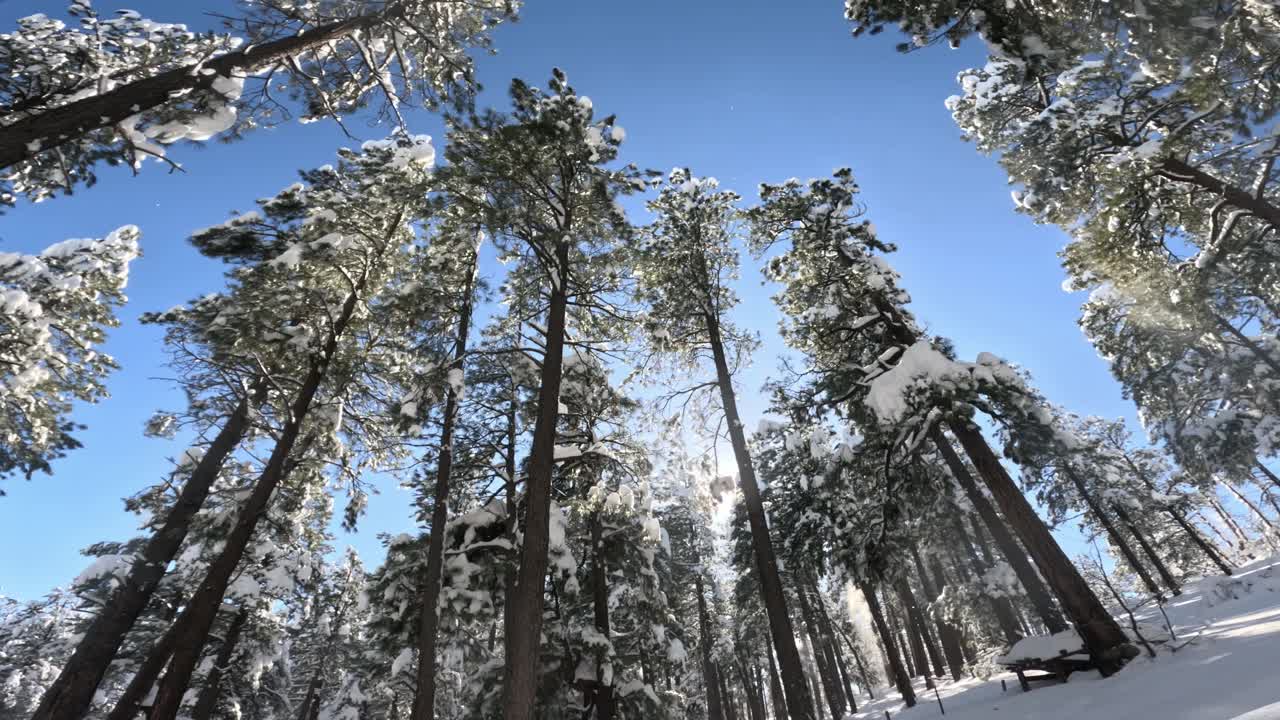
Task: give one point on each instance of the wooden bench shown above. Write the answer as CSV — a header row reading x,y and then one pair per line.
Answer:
x,y
1054,668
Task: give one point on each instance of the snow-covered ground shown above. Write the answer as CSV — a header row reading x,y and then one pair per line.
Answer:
x,y
1229,671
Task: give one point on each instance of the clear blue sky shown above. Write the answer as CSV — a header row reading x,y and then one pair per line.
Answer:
x,y
745,90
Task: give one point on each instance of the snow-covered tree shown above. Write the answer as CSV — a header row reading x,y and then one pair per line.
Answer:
x,y
34,638
846,312
55,308
119,90
690,258
1147,135
288,347
540,180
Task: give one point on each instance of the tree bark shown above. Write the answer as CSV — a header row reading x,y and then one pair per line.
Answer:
x,y
424,700
1113,533
931,644
1017,559
775,690
600,606
846,681
1181,171
715,711
1266,471
128,704
1248,503
755,702
53,128
902,637
1210,552
799,702
760,688
830,685
900,677
835,657
198,616
1107,644
524,620
70,695
1205,546
311,701
947,633
921,645
1169,580
726,695
1001,606
1241,538
212,687
862,671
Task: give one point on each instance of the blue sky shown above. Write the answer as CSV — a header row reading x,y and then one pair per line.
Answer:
x,y
745,90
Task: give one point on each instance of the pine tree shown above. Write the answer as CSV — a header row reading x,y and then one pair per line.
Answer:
x,y
120,90
35,636
846,312
313,260
539,180
1146,136
689,260
463,285
55,310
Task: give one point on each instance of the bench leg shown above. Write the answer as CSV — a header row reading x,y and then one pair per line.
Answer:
x,y
1022,680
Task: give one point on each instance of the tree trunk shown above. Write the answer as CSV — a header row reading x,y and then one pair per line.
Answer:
x,y
600,605
846,681
1200,542
311,701
901,637
70,695
424,700
715,711
755,703
1113,533
775,689
1169,580
1254,204
935,654
199,614
1102,637
1107,644
1001,607
1266,471
862,671
53,128
1210,552
814,682
726,695
835,657
900,677
1017,559
129,702
1247,503
947,633
760,688
921,647
1241,537
524,619
799,701
209,692
509,489
826,674
1226,541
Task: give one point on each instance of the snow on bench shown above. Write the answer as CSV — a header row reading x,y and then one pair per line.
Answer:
x,y
1043,647
1055,656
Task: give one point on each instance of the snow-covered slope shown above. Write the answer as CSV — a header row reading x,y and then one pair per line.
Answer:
x,y
1230,669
